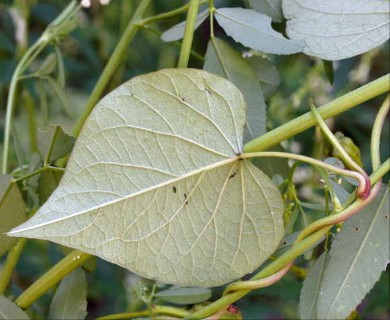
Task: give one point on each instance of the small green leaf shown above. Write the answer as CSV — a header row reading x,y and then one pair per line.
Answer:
x,y
253,30
10,311
358,256
227,62
184,295
54,143
177,31
70,299
155,184
267,73
333,29
311,288
271,8
12,211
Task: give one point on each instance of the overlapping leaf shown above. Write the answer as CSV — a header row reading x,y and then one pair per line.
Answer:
x,y
254,30
223,60
334,29
12,211
155,184
272,8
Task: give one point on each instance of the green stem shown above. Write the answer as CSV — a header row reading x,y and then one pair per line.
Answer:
x,y
331,109
376,133
383,169
10,264
51,278
211,9
37,46
167,15
362,189
38,171
188,34
345,157
113,63
157,310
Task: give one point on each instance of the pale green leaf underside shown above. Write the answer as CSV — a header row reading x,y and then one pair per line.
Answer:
x,y
177,31
356,260
335,29
272,8
70,300
254,30
10,311
154,184
227,62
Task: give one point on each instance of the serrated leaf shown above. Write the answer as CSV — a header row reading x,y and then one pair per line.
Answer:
x,y
358,256
70,299
267,73
10,311
54,143
311,288
334,29
177,31
271,8
225,61
154,184
12,211
184,295
253,30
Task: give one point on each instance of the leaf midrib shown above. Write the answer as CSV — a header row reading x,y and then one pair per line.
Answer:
x,y
157,186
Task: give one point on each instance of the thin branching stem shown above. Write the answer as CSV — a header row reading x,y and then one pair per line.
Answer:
x,y
376,133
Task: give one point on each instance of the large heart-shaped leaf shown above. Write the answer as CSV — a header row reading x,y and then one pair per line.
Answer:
x,y
155,184
335,29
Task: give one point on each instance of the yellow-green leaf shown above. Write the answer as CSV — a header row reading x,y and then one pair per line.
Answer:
x,y
156,184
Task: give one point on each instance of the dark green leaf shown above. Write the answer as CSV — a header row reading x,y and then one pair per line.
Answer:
x,y
273,166
47,183
10,311
54,143
225,61
358,256
70,300
184,295
328,67
12,211
267,73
